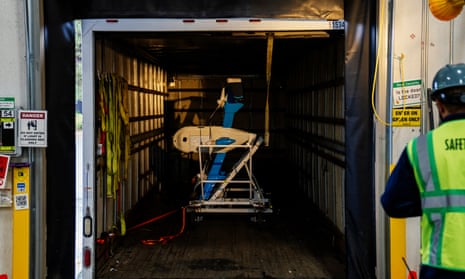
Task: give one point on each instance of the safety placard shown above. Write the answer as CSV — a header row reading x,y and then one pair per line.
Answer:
x,y
32,128
7,102
406,93
4,163
7,125
406,117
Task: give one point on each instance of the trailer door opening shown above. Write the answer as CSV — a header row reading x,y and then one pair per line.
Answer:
x,y
169,74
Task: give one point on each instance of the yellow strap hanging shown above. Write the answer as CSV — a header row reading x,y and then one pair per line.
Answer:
x,y
111,137
269,58
115,123
127,139
102,99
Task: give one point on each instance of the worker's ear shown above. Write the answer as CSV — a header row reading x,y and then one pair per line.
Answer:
x,y
442,110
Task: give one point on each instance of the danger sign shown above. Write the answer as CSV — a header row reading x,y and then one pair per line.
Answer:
x,y
32,128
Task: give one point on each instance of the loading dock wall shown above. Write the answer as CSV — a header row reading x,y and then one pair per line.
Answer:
x,y
416,45
15,84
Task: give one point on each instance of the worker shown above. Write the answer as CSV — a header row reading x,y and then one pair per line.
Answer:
x,y
429,181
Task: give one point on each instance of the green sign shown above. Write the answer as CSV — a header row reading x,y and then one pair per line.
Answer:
x,y
7,102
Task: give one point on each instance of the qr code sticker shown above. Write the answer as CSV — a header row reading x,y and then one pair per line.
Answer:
x,y
21,201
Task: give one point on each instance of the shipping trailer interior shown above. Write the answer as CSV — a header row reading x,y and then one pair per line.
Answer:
x,y
287,78
301,76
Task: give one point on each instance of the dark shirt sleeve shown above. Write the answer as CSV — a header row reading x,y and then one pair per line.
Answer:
x,y
401,197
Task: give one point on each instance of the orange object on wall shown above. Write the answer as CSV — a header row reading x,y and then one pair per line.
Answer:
x,y
446,9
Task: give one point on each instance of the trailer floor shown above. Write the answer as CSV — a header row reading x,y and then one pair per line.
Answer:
x,y
292,243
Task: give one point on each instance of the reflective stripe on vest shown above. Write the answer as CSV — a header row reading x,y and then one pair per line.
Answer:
x,y
443,206
424,163
451,200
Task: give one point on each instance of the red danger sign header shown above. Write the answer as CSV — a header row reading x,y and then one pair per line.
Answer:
x,y
32,115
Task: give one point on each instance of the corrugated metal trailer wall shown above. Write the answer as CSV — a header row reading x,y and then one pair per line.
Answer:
x,y
145,93
316,128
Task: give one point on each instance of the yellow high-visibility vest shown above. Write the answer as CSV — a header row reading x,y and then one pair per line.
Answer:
x,y
438,160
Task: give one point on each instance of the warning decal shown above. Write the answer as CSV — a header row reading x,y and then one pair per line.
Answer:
x,y
7,130
4,163
406,117
32,128
407,93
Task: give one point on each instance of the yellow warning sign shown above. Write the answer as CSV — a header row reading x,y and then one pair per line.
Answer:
x,y
406,117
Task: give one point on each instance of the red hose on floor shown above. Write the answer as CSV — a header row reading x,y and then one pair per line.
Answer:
x,y
166,238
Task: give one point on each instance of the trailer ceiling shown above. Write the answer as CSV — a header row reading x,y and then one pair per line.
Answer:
x,y
216,53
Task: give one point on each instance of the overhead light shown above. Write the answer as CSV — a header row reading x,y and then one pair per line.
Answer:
x,y
284,34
